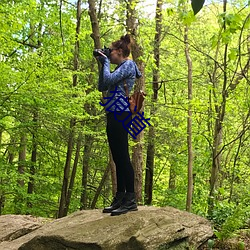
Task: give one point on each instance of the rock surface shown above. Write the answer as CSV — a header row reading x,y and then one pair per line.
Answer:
x,y
147,229
15,226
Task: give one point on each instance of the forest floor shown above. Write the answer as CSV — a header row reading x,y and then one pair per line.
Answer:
x,y
241,242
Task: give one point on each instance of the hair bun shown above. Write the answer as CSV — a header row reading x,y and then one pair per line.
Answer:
x,y
126,39
123,43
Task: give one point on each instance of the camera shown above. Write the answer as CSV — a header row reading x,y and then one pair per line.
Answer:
x,y
106,51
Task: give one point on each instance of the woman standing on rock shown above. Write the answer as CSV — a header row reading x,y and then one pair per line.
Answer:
x,y
113,82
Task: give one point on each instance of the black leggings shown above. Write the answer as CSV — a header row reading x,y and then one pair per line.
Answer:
x,y
118,142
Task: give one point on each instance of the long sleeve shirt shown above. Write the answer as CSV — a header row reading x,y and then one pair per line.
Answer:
x,y
127,72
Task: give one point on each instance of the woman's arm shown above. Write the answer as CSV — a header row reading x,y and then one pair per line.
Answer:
x,y
101,86
124,71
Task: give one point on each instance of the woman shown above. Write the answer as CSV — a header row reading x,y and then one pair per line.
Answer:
x,y
125,73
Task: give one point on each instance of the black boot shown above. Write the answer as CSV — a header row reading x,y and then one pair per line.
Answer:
x,y
116,203
128,204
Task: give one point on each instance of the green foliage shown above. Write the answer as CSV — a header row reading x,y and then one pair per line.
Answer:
x,y
233,222
221,212
241,245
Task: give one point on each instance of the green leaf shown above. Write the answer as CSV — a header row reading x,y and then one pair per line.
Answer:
x,y
188,17
210,244
226,36
233,54
197,5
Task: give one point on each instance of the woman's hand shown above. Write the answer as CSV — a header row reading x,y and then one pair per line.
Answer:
x,y
101,58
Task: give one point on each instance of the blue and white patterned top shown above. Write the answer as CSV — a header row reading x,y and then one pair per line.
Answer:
x,y
126,71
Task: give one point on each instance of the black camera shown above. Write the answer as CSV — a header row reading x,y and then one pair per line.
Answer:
x,y
106,51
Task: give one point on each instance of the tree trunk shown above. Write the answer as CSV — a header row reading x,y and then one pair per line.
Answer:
x,y
73,174
113,173
62,205
1,180
35,111
11,154
220,110
19,198
78,144
217,141
172,170
172,178
151,135
64,191
98,191
88,139
32,167
97,44
77,42
137,52
22,159
94,24
2,200
189,125
33,157
85,170
1,136
149,175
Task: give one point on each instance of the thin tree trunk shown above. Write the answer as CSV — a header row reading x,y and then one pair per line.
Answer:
x,y
245,122
19,199
66,170
85,170
113,173
172,178
99,189
88,139
97,44
149,175
11,155
1,135
77,42
211,128
217,142
137,52
2,194
22,159
2,201
73,174
32,167
151,135
64,191
34,120
78,144
172,170
1,180
189,125
234,170
35,112
33,157
2,198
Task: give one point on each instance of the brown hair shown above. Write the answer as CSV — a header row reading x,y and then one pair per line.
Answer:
x,y
124,44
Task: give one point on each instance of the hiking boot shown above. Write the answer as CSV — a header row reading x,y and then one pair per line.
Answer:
x,y
116,203
128,204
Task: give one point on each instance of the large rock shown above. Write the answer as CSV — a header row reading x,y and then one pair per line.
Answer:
x,y
15,226
147,229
